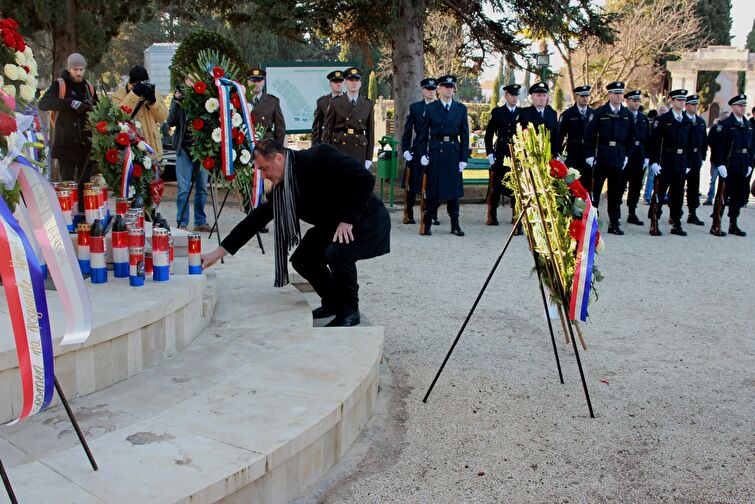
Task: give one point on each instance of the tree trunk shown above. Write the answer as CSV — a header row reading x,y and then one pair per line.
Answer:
x,y
407,47
64,39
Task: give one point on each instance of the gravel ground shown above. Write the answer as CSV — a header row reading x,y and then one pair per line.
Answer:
x,y
669,368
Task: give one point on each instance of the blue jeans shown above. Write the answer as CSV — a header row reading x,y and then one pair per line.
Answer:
x,y
184,168
712,188
649,184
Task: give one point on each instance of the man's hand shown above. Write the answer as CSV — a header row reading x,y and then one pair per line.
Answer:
x,y
425,160
211,258
139,89
655,168
462,165
149,95
408,155
367,164
590,161
343,233
722,171
81,107
491,159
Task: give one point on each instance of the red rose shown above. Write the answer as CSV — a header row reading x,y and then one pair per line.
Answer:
x,y
239,138
218,72
229,178
7,124
111,156
126,109
11,24
576,229
235,101
137,171
8,39
102,127
597,238
197,124
578,191
20,44
208,163
558,168
122,139
26,68
200,87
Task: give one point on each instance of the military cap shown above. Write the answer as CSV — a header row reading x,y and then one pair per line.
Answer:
x,y
633,95
616,87
256,74
678,94
512,89
335,75
447,80
539,87
429,83
352,73
693,99
582,90
740,99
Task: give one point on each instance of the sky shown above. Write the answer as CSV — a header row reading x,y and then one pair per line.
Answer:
x,y
742,14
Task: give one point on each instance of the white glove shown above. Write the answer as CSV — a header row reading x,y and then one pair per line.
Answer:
x,y
408,155
367,164
626,160
425,160
722,171
646,163
590,161
655,168
491,159
686,172
749,170
462,165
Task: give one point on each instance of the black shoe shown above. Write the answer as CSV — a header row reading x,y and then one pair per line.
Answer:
x,y
657,233
692,219
493,222
322,312
436,222
428,221
264,230
708,203
734,230
455,228
615,229
633,219
349,320
677,230
410,221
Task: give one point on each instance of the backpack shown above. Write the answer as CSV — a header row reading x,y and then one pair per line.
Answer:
x,y
62,94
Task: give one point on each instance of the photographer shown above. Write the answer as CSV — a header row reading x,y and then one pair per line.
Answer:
x,y
146,106
69,99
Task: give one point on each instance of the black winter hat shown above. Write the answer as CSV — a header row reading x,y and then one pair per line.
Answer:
x,y
137,74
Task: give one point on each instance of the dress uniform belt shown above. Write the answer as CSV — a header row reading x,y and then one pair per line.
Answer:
x,y
675,151
446,138
637,142
611,143
351,131
694,150
739,151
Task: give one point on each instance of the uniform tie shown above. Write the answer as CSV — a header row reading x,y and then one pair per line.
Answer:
x,y
448,106
542,113
256,100
353,101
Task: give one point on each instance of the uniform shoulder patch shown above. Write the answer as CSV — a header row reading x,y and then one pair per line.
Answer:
x,y
719,127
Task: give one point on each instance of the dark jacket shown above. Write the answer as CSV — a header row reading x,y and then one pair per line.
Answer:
x,y
671,143
267,112
351,128
412,125
177,119
332,188
609,137
530,115
736,145
502,126
72,140
571,135
638,154
699,143
318,124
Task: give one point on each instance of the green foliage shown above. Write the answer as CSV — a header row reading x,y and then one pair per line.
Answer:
x,y
750,44
715,16
185,59
12,196
479,113
558,96
496,96
707,88
372,88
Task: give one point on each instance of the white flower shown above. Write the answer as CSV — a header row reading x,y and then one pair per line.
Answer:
x,y
20,58
147,162
216,135
28,53
141,145
131,190
22,75
11,71
32,64
138,126
245,157
10,90
236,120
26,92
32,82
574,173
124,127
233,158
211,105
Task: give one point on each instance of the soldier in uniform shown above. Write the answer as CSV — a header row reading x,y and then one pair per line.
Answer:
x,y
443,143
349,124
713,144
266,107
412,181
571,133
696,158
335,80
638,161
541,113
670,148
734,156
502,126
609,137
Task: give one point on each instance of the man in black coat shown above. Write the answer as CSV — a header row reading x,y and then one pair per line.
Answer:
x,y
502,126
571,134
541,113
609,137
332,191
696,158
70,98
412,179
638,160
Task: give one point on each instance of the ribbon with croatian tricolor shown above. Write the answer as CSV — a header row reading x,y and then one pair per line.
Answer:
x,y
580,290
27,306
128,168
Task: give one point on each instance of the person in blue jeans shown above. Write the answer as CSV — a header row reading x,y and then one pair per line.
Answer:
x,y
713,143
186,169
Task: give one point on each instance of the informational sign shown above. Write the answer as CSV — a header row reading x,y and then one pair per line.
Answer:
x,y
299,85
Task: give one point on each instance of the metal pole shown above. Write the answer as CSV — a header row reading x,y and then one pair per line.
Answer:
x,y
80,435
8,487
215,214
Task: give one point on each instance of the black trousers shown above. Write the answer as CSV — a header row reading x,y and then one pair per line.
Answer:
x,y
736,193
432,205
633,175
693,189
615,189
673,184
497,190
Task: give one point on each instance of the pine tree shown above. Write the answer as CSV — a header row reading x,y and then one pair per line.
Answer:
x,y
750,45
496,96
372,88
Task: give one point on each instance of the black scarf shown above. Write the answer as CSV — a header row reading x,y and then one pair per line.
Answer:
x,y
287,232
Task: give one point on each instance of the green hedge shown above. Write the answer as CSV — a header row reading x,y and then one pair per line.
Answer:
x,y
186,54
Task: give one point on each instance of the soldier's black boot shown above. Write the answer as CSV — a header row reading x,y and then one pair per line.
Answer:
x,y
633,219
455,228
734,229
427,220
492,216
614,228
676,229
693,219
409,215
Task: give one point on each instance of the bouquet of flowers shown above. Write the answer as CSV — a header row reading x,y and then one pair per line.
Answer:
x,y
562,221
128,164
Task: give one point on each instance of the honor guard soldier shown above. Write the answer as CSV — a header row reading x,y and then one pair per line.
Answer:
x,y
609,137
734,156
670,148
502,126
266,107
638,160
713,144
571,134
443,143
349,124
412,180
541,113
335,80
696,158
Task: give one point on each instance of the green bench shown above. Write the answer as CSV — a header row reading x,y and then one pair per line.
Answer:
x,y
477,172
